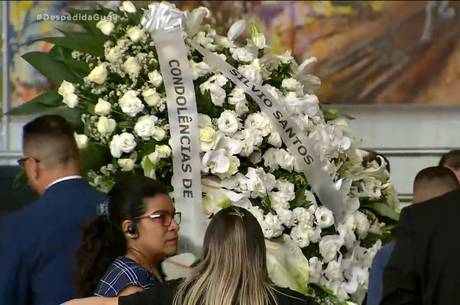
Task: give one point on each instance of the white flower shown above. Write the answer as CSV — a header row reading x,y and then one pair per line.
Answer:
x,y
329,246
231,146
299,235
70,100
204,120
275,139
236,29
199,69
307,104
272,226
286,217
242,54
105,125
131,66
252,72
334,271
316,267
216,161
145,126
66,88
105,26
228,122
259,40
128,6
130,103
284,159
241,108
195,18
81,140
236,96
270,160
291,84
99,74
217,93
164,151
208,137
126,164
272,91
324,217
155,78
314,234
102,107
250,138
258,121
114,54
123,143
135,33
362,224
151,97
158,133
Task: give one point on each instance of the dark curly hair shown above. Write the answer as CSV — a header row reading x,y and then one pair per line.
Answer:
x,y
103,238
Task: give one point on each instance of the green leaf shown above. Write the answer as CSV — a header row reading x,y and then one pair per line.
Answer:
x,y
54,70
80,41
383,210
44,102
93,157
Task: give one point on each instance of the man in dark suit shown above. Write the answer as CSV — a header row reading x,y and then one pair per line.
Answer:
x,y
424,268
38,244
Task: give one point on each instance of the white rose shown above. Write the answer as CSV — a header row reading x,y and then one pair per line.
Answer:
x,y
218,94
130,103
285,159
260,122
362,224
81,140
275,139
135,33
250,139
105,26
329,246
324,217
99,74
241,108
145,125
228,122
252,72
102,107
126,164
236,96
151,97
128,6
131,66
270,159
291,84
334,271
199,69
155,78
70,100
299,235
259,40
207,138
123,143
164,151
105,125
114,54
66,88
242,54
303,215
158,133
315,269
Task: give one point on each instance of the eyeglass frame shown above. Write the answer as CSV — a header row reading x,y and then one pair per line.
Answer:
x,y
22,161
156,215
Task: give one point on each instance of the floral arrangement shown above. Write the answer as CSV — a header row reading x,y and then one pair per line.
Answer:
x,y
109,81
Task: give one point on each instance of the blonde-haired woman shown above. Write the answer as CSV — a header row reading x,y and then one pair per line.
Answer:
x,y
232,271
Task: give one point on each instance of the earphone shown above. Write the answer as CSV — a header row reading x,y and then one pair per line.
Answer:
x,y
132,230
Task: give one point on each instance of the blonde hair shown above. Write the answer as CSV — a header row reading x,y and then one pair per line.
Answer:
x,y
233,269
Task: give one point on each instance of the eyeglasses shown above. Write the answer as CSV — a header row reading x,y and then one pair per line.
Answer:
x,y
22,161
164,218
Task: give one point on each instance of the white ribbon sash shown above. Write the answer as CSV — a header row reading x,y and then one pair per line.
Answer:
x,y
300,146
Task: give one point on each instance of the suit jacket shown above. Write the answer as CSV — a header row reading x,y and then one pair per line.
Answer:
x,y
38,245
425,265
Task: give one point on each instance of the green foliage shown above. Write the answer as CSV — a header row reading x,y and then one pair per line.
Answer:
x,y
42,103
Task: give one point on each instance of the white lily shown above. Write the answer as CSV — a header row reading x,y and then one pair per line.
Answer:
x,y
236,29
216,161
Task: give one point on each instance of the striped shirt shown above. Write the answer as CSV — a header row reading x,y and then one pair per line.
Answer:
x,y
122,273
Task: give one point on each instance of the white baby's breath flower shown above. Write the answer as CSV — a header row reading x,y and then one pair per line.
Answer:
x,y
105,26
102,107
130,103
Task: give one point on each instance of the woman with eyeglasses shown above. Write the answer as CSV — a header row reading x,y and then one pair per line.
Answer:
x,y
122,249
232,271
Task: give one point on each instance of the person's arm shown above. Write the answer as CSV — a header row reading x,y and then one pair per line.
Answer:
x,y
93,301
13,274
130,290
401,278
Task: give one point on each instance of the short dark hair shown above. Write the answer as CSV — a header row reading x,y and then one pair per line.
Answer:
x,y
451,159
438,174
51,138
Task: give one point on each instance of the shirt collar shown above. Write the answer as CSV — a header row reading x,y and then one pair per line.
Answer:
x,y
63,179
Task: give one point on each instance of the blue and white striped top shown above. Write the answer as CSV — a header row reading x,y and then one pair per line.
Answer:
x,y
122,273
